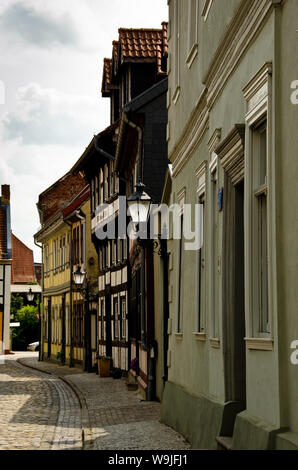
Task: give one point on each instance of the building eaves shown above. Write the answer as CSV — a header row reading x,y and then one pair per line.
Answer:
x,y
91,150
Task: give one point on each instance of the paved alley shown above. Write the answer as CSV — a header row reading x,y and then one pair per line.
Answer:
x,y
47,406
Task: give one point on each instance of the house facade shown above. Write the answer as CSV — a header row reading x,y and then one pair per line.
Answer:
x,y
5,269
138,63
232,303
141,155
65,216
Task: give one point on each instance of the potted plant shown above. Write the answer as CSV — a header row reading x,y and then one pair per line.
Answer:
x,y
104,365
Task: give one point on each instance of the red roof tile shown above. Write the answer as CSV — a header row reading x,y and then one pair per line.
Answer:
x,y
141,45
77,202
3,245
22,270
61,193
106,77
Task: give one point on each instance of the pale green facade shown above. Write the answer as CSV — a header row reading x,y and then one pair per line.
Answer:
x,y
232,63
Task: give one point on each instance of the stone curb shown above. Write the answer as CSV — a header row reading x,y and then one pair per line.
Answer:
x,y
86,428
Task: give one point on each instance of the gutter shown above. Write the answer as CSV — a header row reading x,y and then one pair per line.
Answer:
x,y
101,151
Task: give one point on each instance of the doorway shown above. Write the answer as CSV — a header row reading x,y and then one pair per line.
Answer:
x,y
233,299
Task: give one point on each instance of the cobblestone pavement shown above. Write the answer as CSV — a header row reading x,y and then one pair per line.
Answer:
x,y
37,411
48,406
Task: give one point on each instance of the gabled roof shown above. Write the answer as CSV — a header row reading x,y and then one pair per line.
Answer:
x,y
135,45
59,194
77,201
22,266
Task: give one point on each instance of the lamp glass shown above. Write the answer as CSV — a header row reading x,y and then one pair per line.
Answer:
x,y
30,295
79,276
133,208
144,207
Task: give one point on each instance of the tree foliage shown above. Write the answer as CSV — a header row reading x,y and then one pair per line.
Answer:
x,y
28,331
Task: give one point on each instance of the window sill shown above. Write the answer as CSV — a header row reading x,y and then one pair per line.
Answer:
x,y
259,344
192,55
179,336
215,343
200,336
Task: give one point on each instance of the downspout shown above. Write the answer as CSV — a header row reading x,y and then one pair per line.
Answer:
x,y
140,142
40,353
101,151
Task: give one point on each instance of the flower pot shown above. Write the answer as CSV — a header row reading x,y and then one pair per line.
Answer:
x,y
104,367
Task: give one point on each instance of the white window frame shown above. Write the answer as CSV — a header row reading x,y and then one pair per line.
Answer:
x,y
176,68
193,14
179,322
200,327
206,9
258,97
213,256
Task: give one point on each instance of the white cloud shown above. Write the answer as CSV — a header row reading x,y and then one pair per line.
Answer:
x,y
52,81
40,28
47,116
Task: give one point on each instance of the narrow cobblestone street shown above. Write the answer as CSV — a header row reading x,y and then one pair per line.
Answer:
x,y
46,406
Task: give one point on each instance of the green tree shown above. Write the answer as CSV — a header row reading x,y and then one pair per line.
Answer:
x,y
28,331
16,303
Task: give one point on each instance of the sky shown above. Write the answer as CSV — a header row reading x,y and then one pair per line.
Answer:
x,y
51,61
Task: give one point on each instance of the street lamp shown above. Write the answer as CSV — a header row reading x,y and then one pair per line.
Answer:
x,y
81,282
30,295
79,276
139,204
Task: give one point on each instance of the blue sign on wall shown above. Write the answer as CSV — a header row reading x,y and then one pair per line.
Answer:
x,y
220,199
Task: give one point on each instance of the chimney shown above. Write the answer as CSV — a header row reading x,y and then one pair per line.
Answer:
x,y
5,193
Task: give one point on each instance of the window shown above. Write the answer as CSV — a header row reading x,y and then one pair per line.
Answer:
x,y
214,228
112,181
115,318
206,9
101,319
101,190
123,318
260,256
46,259
96,199
260,224
176,51
92,195
181,198
45,323
192,31
67,325
201,178
201,278
107,182
78,323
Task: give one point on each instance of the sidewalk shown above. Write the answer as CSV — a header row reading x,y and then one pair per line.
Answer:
x,y
113,418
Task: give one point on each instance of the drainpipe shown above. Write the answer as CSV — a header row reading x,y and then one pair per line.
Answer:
x,y
100,150
40,353
140,141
